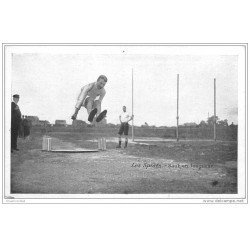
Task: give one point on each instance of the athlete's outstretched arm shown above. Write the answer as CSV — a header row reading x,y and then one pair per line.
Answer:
x,y
81,98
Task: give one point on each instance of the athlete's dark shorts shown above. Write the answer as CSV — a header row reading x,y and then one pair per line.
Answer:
x,y
123,128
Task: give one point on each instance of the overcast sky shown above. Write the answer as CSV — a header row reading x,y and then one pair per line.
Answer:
x,y
48,85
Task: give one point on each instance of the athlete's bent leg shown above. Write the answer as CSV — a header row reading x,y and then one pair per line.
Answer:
x,y
97,104
89,105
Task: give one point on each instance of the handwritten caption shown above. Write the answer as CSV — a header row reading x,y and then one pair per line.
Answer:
x,y
168,165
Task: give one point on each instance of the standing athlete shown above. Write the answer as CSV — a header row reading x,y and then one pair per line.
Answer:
x,y
124,127
87,99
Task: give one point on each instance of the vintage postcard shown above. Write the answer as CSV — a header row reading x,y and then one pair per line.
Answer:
x,y
125,123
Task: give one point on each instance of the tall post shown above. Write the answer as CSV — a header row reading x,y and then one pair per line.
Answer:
x,y
214,109
133,135
177,117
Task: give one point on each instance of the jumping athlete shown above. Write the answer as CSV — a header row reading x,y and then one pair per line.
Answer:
x,y
87,98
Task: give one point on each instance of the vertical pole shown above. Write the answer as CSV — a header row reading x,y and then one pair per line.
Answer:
x,y
177,117
214,109
133,135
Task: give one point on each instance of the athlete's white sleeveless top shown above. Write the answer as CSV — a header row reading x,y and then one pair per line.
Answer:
x,y
94,91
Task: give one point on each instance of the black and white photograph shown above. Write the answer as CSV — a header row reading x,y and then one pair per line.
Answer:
x,y
124,125
154,122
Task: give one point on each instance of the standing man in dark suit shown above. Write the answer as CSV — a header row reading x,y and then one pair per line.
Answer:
x,y
16,119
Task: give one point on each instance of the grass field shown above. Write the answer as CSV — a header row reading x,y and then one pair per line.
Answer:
x,y
196,167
